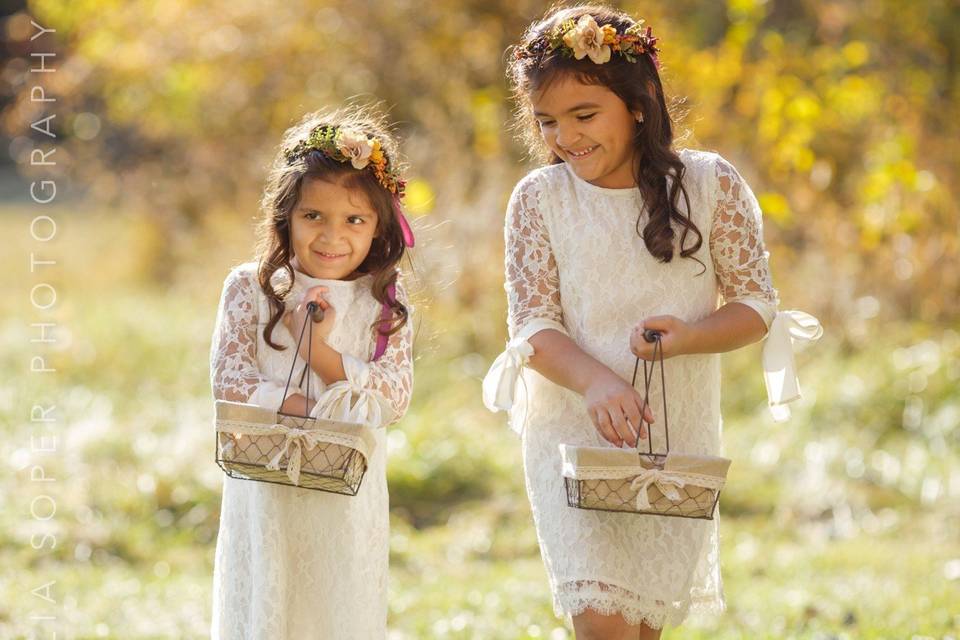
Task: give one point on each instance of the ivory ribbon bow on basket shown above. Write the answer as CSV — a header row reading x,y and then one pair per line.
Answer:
x,y
666,482
246,420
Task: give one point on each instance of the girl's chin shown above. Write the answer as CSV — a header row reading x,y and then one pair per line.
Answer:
x,y
585,173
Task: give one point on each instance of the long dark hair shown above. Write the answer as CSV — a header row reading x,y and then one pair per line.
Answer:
x,y
632,82
282,193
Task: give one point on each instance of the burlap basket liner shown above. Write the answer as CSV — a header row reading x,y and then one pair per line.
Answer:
x,y
255,443
612,479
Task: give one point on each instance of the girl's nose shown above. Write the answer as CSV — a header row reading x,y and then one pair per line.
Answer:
x,y
566,138
329,232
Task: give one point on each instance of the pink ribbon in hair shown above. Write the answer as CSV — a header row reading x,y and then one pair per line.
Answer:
x,y
408,239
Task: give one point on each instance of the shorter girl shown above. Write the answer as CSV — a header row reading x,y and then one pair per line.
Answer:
x,y
292,562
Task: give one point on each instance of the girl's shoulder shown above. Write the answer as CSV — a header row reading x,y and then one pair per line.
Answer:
x,y
546,177
243,282
704,169
242,274
700,165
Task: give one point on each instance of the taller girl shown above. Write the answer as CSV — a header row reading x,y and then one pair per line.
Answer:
x,y
618,234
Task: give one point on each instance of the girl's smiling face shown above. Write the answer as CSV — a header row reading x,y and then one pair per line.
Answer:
x,y
590,128
331,229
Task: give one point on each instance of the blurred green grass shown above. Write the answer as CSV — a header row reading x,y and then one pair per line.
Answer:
x,y
839,524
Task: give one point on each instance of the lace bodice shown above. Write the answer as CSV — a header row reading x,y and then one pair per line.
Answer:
x,y
291,562
588,219
238,338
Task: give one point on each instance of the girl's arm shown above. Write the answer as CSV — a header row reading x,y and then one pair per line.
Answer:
x,y
389,379
743,276
234,372
535,315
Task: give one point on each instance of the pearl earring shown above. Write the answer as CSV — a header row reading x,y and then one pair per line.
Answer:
x,y
640,119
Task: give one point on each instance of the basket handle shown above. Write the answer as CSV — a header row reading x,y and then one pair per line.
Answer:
x,y
314,313
655,337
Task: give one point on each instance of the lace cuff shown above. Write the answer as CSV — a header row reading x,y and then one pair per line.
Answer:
x,y
788,330
499,385
351,400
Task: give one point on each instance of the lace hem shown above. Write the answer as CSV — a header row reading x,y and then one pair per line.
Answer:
x,y
574,598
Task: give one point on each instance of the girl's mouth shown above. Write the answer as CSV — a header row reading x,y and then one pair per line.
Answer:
x,y
329,257
579,155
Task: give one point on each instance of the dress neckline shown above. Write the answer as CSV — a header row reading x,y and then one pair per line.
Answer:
x,y
625,192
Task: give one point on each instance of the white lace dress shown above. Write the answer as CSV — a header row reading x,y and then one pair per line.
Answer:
x,y
575,263
294,563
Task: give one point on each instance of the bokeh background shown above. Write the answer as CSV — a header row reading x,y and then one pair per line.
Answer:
x,y
843,116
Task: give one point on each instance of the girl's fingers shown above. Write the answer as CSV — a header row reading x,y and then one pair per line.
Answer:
x,y
648,413
633,413
606,430
621,427
313,294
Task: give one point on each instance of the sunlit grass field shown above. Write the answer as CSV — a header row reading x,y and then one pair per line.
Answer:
x,y
843,523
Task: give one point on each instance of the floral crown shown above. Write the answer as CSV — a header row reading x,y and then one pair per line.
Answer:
x,y
584,37
345,144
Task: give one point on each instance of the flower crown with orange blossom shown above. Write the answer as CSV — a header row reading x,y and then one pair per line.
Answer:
x,y
346,144
585,38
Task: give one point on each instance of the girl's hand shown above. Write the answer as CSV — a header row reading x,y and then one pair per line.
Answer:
x,y
297,405
616,410
293,320
676,337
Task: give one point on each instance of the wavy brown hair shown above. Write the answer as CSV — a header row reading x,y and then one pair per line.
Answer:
x,y
533,68
282,193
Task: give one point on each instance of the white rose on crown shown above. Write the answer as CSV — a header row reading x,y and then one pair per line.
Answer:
x,y
586,39
356,146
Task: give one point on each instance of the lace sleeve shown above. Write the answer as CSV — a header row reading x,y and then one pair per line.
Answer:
x,y
736,245
532,278
234,372
533,293
375,393
392,375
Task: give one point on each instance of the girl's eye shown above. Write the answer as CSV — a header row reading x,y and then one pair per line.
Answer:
x,y
586,117
312,215
355,220
546,123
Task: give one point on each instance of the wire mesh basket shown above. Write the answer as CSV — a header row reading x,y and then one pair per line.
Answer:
x,y
634,481
257,443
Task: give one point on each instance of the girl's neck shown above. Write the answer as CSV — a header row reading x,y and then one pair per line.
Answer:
x,y
296,266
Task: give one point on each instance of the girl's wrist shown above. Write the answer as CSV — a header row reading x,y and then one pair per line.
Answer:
x,y
591,375
327,362
693,341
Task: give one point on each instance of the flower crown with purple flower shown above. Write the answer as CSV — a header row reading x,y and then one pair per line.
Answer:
x,y
585,38
344,144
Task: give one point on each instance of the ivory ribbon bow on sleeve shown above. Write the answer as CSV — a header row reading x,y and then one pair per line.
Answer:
x,y
788,329
350,400
501,380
